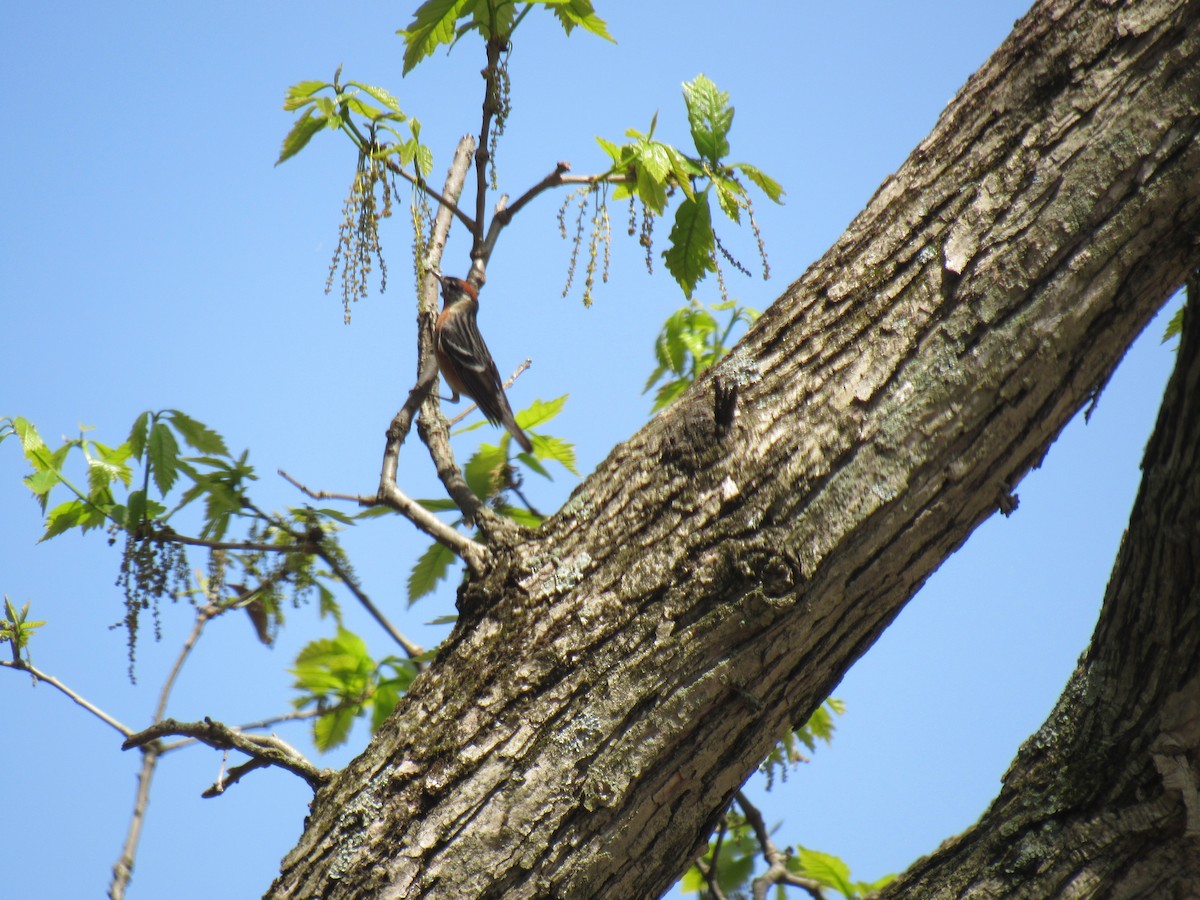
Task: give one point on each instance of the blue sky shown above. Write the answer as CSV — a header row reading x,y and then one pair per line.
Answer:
x,y
154,258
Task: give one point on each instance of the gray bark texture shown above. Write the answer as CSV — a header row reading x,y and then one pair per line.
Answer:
x,y
616,675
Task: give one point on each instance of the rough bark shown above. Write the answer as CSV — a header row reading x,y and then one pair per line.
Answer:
x,y
618,674
1103,800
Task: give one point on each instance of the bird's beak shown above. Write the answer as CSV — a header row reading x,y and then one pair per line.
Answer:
x,y
436,273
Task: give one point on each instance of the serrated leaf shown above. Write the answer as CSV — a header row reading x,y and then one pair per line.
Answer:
x,y
729,198
652,192
654,158
1175,326
332,729
37,454
355,104
481,469
768,185
581,13
430,568
666,394
64,517
137,434
301,92
825,868
336,514
689,256
682,169
135,509
301,133
162,455
522,516
710,117
540,411
556,449
615,153
41,483
383,95
424,161
433,24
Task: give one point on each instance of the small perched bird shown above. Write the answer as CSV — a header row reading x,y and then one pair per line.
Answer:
x,y
464,359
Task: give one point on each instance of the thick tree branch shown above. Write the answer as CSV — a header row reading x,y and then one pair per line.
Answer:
x,y
631,662
1103,799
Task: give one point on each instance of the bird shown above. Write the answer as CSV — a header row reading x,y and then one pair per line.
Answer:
x,y
464,359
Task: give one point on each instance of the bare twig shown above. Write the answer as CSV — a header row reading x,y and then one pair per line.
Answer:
x,y
711,871
505,214
232,777
23,666
412,649
123,867
777,870
360,499
203,614
271,750
444,202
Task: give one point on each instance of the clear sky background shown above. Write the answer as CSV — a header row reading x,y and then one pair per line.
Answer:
x,y
153,258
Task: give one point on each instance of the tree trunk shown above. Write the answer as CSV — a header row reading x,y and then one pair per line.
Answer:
x,y
618,674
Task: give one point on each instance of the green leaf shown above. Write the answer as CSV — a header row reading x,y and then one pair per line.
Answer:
x,y
302,132
730,197
382,95
41,484
825,868
424,160
64,517
581,13
198,436
690,255
163,457
481,470
301,92
332,729
1175,326
768,185
135,509
137,435
432,25
615,153
431,567
556,449
667,393
652,191
541,411
710,117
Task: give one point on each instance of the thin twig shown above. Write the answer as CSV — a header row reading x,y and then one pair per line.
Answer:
x,y
504,215
777,870
203,614
23,666
123,867
412,649
360,499
343,574
421,183
271,750
232,777
710,871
